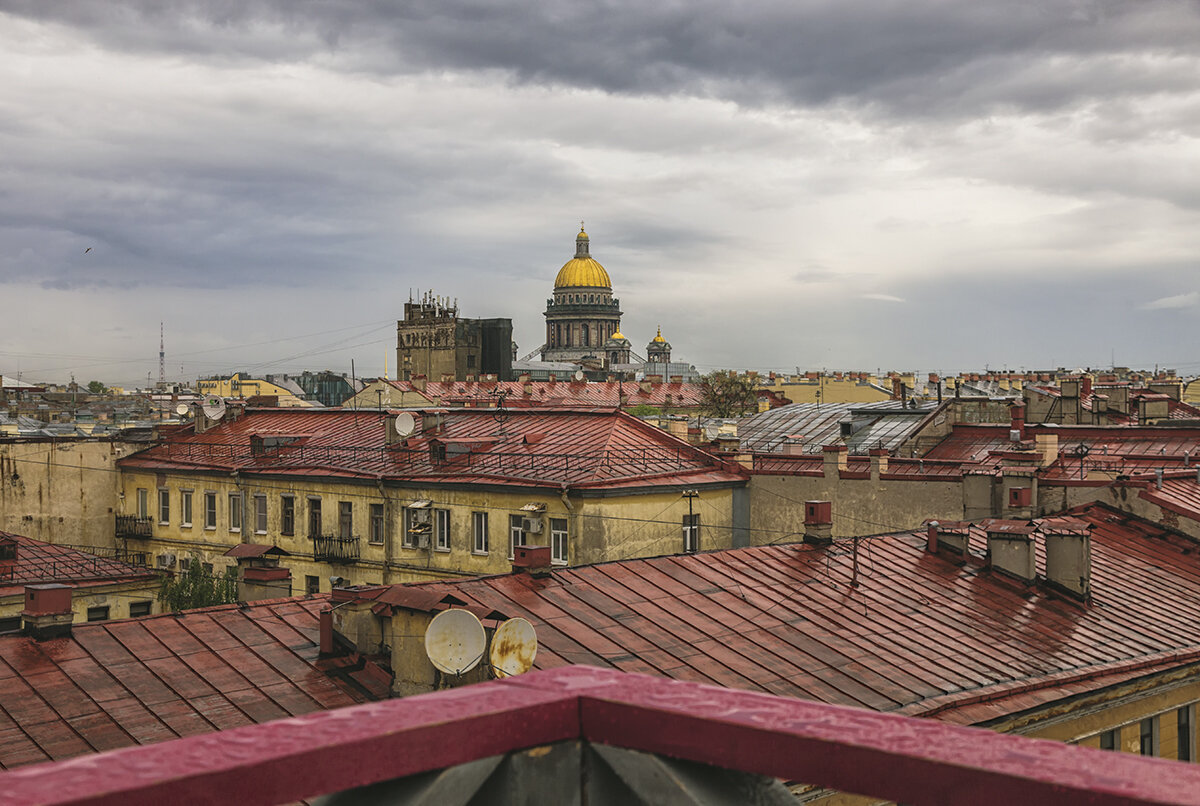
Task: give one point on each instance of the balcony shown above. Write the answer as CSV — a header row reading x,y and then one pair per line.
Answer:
x,y
644,738
134,526
334,549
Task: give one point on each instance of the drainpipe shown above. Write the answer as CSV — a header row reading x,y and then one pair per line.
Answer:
x,y
387,544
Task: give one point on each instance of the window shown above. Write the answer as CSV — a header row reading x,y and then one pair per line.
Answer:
x,y
691,533
470,361
143,502
1148,736
137,609
210,510
287,515
1108,740
10,625
516,533
418,525
345,519
558,540
207,568
260,514
441,523
185,507
376,533
164,506
480,524
314,517
235,512
1183,722
312,584
97,613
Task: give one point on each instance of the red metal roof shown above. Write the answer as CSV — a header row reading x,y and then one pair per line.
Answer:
x,y
577,447
919,634
136,681
37,561
558,393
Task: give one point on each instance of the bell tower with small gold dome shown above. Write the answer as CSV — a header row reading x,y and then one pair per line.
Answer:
x,y
582,315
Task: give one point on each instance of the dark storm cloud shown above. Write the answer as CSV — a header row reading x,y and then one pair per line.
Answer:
x,y
910,58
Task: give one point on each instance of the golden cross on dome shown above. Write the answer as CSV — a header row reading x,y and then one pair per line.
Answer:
x,y
581,225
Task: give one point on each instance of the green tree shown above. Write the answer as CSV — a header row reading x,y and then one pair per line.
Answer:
x,y
728,394
96,388
196,587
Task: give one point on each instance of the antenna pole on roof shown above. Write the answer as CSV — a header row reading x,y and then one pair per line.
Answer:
x,y
854,571
353,384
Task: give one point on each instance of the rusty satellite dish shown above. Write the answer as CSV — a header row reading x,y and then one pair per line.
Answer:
x,y
455,641
514,646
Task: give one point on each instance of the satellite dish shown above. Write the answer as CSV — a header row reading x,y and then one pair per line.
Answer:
x,y
514,646
579,375
405,424
182,409
455,641
214,408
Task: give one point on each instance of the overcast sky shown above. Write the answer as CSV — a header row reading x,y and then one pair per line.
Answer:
x,y
922,185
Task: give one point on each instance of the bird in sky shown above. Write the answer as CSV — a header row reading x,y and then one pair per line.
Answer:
x,y
85,251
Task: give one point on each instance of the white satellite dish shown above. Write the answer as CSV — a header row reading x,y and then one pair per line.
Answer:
x,y
579,375
514,646
455,641
182,409
214,408
405,424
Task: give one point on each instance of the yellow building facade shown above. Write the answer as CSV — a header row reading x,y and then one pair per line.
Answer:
x,y
240,386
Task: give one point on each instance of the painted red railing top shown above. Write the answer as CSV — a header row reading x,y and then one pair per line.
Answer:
x,y
882,755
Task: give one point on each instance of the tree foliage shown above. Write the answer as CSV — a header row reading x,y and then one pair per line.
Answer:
x,y
728,394
196,587
96,387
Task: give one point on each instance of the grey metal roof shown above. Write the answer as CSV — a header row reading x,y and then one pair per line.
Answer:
x,y
883,424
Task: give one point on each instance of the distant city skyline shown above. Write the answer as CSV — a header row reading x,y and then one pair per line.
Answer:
x,y
926,186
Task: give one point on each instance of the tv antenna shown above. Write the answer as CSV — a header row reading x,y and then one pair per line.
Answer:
x,y
514,646
455,641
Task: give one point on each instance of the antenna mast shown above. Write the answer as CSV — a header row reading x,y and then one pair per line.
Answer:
x,y
162,359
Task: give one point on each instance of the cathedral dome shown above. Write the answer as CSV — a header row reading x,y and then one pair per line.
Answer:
x,y
582,271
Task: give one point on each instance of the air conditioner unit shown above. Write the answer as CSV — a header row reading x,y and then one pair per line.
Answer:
x,y
532,526
422,515
423,541
166,561
185,564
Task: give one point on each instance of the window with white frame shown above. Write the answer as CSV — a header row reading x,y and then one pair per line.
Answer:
x,y
164,506
418,525
441,526
558,540
691,533
185,507
479,524
375,533
210,510
260,514
516,533
143,502
235,512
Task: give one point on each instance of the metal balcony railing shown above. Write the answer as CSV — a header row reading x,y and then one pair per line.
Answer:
x,y
334,549
134,526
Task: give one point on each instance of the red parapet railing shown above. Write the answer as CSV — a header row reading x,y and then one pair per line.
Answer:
x,y
916,761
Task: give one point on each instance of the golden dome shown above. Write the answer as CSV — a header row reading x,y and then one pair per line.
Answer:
x,y
659,337
616,336
582,271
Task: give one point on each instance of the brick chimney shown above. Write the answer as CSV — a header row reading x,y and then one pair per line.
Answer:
x,y
950,535
1010,548
1047,449
879,462
47,612
1016,414
836,459
1068,555
818,522
532,560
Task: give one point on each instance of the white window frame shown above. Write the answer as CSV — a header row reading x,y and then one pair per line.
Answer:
x,y
516,533
441,529
143,502
210,523
185,507
235,512
691,533
164,506
260,513
479,533
559,544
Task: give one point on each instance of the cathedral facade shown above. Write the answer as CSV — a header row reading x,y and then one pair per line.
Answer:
x,y
583,315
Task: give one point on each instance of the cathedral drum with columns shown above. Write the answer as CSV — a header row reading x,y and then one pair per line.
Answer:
x,y
582,316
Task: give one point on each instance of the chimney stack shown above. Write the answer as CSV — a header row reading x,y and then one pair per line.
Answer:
x,y
533,560
1047,448
47,612
1068,555
879,462
836,459
818,522
951,535
1010,548
1016,413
